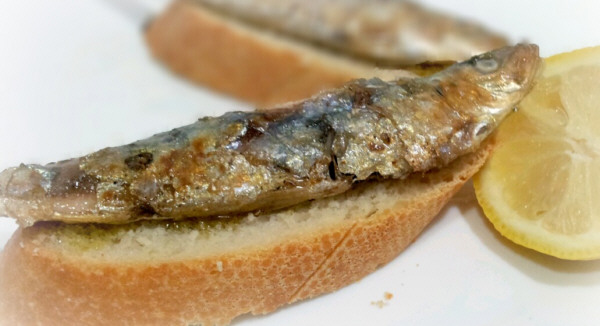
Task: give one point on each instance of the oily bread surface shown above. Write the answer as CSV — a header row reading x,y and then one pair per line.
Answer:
x,y
45,280
247,62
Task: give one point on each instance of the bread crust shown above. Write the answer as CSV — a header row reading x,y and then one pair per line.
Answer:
x,y
45,286
247,63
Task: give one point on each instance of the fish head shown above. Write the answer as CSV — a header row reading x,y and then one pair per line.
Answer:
x,y
506,71
489,86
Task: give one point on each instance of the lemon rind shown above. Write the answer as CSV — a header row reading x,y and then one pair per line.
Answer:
x,y
520,231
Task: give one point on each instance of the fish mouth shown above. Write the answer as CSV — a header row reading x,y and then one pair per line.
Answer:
x,y
524,62
519,65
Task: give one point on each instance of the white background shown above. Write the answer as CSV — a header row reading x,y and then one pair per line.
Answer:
x,y
75,77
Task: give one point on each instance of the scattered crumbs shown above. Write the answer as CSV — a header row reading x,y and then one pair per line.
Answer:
x,y
379,303
417,265
220,266
387,296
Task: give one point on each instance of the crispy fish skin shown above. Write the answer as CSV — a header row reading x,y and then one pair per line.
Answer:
x,y
247,161
389,32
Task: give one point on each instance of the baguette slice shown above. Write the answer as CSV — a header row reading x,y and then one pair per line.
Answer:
x,y
209,272
251,63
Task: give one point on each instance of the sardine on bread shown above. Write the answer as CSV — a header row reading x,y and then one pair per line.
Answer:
x,y
243,162
151,269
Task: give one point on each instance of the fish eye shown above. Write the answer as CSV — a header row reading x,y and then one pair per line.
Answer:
x,y
486,65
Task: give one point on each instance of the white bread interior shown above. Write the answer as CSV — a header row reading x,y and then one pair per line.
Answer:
x,y
194,273
247,62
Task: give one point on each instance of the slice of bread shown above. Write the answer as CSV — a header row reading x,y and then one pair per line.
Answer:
x,y
248,62
210,271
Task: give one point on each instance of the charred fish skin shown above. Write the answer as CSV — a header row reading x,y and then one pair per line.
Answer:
x,y
390,32
248,161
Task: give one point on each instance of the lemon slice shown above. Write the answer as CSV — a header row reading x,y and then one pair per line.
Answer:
x,y
541,187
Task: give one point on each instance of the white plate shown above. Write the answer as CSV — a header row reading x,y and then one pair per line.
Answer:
x,y
75,77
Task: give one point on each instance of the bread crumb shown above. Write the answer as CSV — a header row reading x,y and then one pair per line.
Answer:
x,y
219,266
387,296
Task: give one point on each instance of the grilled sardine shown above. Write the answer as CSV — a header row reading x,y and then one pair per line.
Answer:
x,y
247,161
